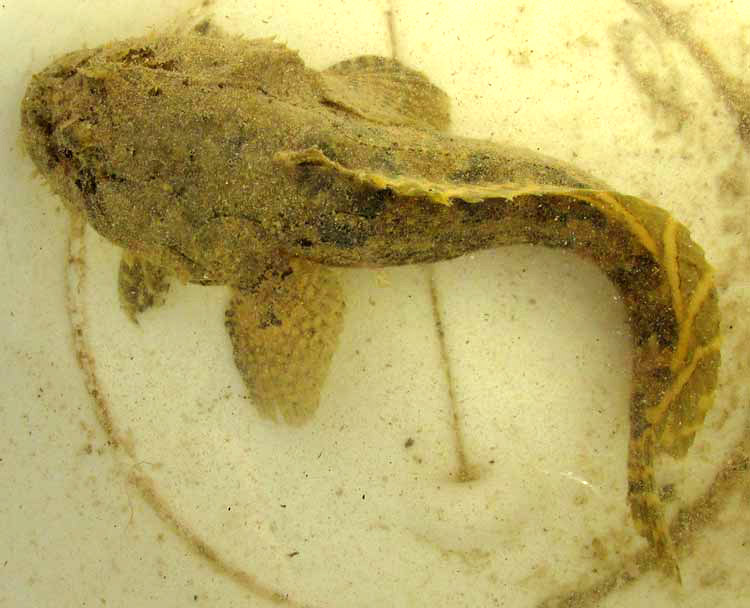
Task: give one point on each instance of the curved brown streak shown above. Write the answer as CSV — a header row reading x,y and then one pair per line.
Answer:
x,y
77,315
75,285
465,471
733,91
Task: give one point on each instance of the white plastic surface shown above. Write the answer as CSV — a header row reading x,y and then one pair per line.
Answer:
x,y
204,503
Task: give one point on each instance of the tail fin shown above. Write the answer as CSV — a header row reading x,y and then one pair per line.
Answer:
x,y
645,505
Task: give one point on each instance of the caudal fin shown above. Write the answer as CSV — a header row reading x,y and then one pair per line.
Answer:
x,y
645,505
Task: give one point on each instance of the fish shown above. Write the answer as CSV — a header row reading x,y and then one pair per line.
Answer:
x,y
225,161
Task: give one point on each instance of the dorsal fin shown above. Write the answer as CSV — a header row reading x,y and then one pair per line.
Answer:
x,y
440,192
387,92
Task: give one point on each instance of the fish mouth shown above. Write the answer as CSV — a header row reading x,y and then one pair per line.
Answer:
x,y
46,105
38,126
50,110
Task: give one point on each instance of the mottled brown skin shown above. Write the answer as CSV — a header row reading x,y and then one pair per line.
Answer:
x,y
227,161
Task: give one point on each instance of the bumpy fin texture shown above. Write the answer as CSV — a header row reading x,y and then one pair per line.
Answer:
x,y
284,333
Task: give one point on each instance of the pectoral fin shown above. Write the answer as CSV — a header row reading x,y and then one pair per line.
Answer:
x,y
284,334
141,284
385,91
